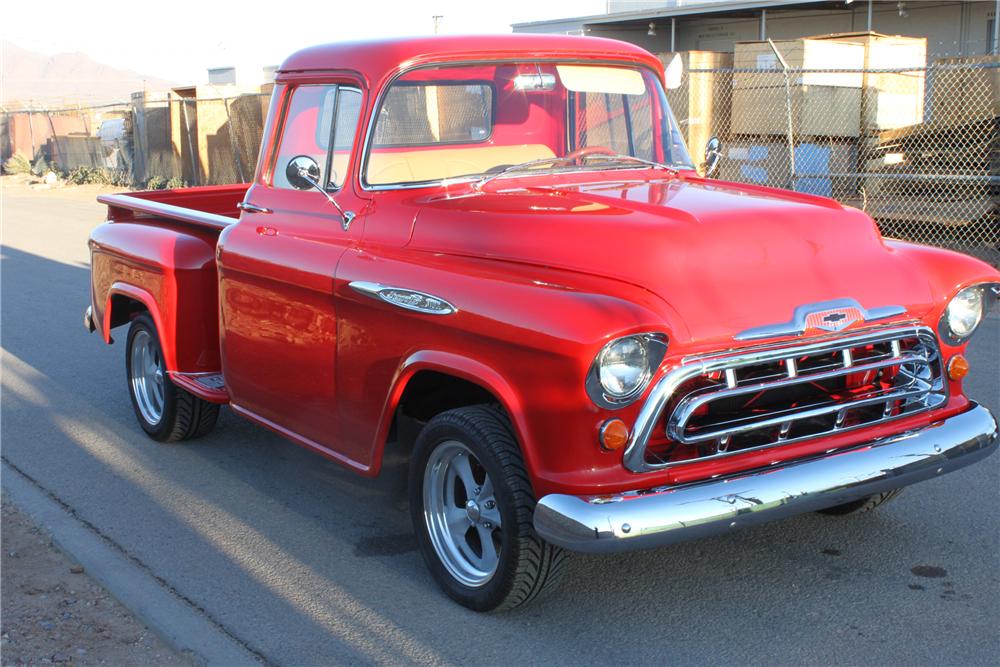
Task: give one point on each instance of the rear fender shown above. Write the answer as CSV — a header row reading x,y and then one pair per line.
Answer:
x,y
146,299
170,270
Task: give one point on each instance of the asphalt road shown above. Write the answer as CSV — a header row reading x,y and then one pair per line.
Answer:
x,y
307,564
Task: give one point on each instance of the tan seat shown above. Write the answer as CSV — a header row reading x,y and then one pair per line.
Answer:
x,y
431,164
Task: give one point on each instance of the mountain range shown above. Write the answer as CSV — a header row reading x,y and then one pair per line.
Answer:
x,y
66,79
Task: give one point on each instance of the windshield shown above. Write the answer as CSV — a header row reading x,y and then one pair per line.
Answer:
x,y
438,123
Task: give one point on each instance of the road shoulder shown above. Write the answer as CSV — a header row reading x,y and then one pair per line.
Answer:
x,y
178,622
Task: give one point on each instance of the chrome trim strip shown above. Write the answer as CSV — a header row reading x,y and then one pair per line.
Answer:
x,y
797,325
656,517
408,299
635,453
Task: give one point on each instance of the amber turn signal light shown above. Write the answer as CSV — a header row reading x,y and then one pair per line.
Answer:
x,y
613,434
958,367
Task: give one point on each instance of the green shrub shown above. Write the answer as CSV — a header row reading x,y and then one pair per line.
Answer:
x,y
81,175
18,163
99,176
115,177
156,183
176,182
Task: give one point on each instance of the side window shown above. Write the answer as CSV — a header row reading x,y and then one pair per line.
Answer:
x,y
344,128
317,113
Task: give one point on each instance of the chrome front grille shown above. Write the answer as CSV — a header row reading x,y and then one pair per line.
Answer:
x,y
719,405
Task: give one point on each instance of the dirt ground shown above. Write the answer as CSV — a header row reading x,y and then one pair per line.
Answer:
x,y
53,613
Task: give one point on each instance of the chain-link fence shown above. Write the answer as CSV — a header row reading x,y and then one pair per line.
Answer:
x,y
917,148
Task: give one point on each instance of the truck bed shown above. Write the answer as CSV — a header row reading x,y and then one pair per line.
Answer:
x,y
156,253
212,206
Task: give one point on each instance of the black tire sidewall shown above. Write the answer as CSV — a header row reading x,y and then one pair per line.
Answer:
x,y
491,594
162,429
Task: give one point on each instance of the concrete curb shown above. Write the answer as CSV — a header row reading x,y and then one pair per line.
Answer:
x,y
182,625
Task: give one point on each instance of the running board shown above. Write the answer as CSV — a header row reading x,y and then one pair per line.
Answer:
x,y
208,386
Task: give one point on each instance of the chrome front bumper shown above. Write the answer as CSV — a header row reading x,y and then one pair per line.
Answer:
x,y
640,520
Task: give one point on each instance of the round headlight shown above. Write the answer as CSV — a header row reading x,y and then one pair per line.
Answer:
x,y
964,312
623,368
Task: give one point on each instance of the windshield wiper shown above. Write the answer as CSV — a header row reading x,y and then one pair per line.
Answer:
x,y
632,158
519,167
562,160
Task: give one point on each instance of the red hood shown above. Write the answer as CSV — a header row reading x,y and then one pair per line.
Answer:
x,y
726,257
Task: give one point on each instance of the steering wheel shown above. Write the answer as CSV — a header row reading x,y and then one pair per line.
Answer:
x,y
580,153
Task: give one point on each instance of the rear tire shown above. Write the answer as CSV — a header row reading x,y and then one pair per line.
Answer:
x,y
861,506
165,412
471,505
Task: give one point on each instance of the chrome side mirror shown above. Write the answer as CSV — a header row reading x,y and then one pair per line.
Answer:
x,y
302,173
713,153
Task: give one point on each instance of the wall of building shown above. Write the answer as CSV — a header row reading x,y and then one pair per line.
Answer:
x,y
951,28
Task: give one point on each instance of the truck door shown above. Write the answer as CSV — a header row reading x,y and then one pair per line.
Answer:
x,y
277,266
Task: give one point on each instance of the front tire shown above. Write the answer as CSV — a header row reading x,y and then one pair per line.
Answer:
x,y
165,412
471,505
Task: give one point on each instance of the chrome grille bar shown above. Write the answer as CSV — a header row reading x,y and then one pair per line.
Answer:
x,y
919,367
737,427
691,404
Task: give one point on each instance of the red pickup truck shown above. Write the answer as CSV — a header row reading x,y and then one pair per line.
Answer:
x,y
503,241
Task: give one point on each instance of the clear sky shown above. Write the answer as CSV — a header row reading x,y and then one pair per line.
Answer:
x,y
178,39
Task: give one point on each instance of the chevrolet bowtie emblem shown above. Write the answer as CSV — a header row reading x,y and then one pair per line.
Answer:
x,y
835,319
829,316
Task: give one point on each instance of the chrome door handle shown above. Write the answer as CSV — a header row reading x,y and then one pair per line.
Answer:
x,y
251,208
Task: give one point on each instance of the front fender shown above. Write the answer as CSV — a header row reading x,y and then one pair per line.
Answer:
x,y
456,365
527,335
946,271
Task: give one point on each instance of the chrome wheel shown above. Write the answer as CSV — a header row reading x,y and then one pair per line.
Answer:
x,y
146,376
461,513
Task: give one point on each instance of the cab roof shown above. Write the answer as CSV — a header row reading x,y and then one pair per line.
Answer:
x,y
376,59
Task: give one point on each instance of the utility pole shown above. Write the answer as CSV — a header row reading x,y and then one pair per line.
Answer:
x,y
996,28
